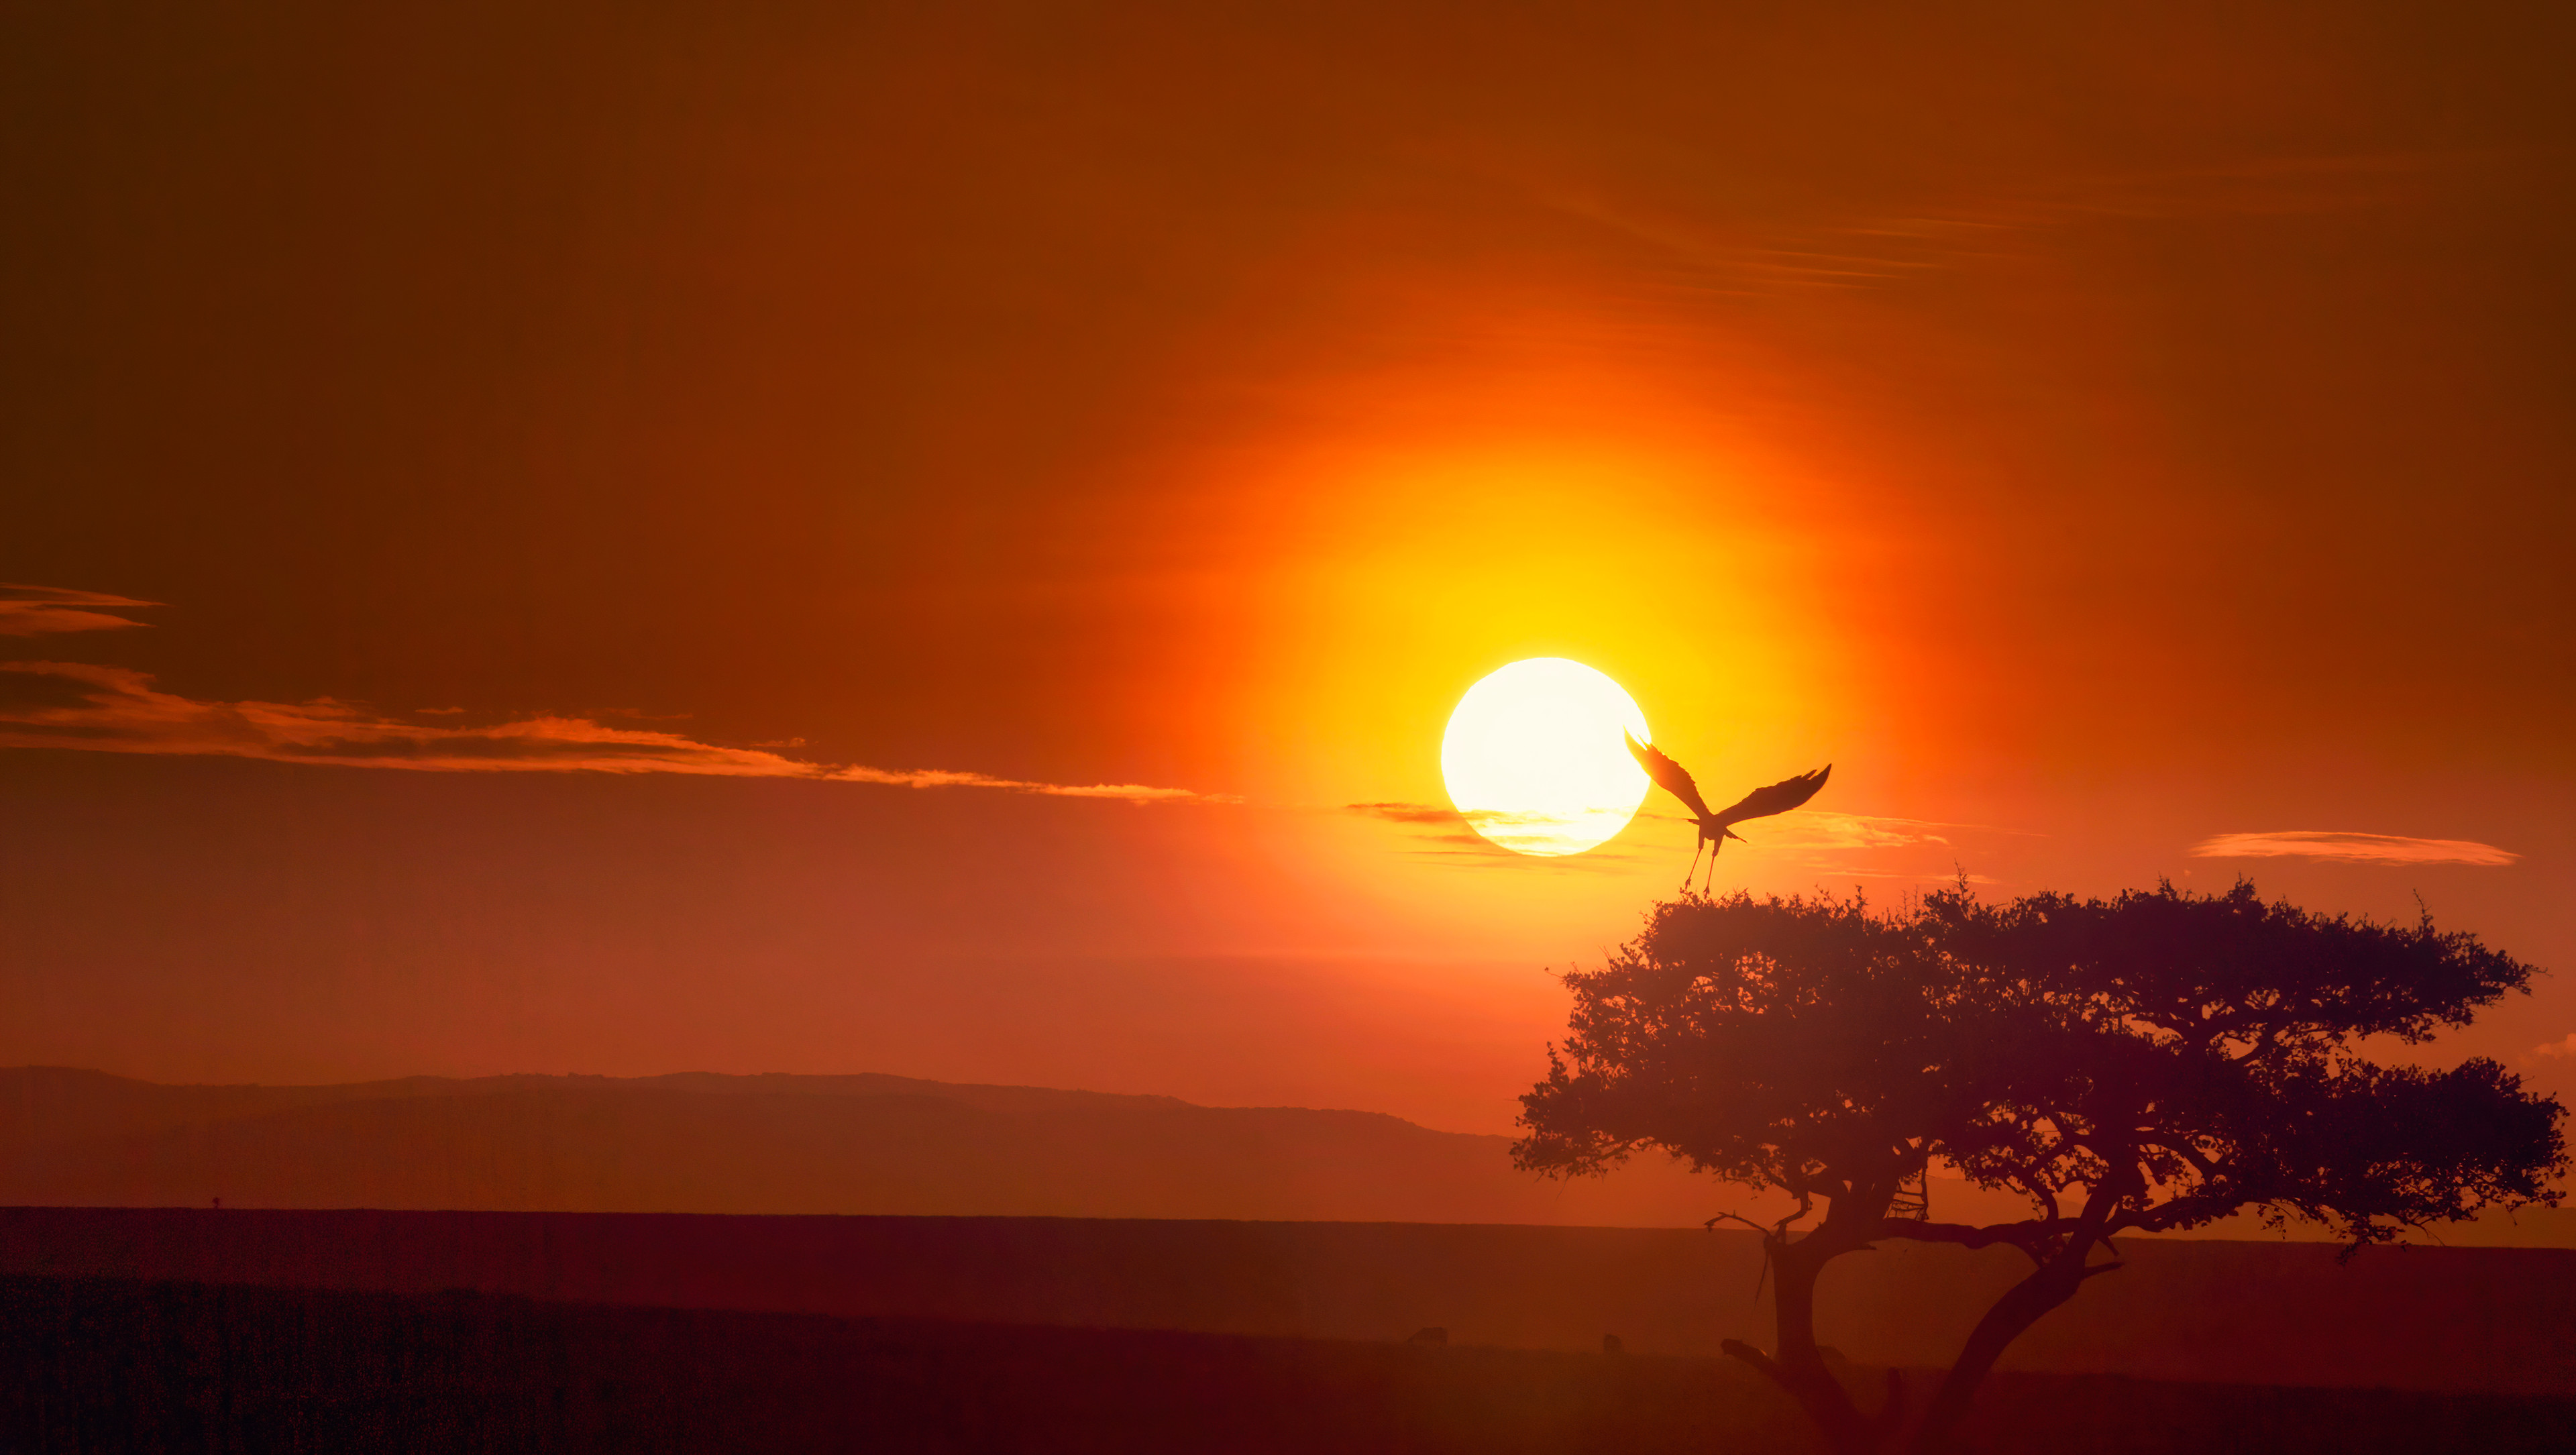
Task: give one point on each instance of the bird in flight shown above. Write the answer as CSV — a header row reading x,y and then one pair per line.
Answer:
x,y
1716,828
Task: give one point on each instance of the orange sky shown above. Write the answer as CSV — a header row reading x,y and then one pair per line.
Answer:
x,y
2093,435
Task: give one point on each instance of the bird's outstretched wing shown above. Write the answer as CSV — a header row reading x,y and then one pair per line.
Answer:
x,y
1674,778
1780,797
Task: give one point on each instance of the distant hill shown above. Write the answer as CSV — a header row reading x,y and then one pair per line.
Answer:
x,y
701,1142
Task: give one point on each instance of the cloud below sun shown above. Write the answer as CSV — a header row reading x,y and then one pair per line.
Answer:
x,y
1839,843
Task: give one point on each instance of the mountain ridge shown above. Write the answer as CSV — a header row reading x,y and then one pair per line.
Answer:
x,y
850,1143
770,1143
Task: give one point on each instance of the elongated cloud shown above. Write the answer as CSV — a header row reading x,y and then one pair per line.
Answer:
x,y
1806,836
30,611
1868,251
2565,1048
1805,828
1489,837
114,710
2355,848
1501,821
1423,813
1817,829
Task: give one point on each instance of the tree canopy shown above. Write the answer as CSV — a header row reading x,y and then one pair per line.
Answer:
x,y
2148,1063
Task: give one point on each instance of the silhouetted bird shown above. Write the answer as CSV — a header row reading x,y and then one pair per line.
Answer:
x,y
1716,828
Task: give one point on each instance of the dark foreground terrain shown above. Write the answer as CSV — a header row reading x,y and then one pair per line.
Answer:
x,y
2435,1320
99,1365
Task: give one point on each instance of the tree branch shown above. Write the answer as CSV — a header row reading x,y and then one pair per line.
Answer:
x,y
1806,1205
2172,1214
2263,1045
2187,1152
1770,1368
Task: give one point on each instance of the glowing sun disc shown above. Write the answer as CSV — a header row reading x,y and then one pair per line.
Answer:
x,y
1534,761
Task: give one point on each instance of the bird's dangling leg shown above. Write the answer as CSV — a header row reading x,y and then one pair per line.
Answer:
x,y
1710,882
1694,865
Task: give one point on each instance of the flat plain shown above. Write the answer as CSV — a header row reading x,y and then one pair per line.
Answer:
x,y
117,1364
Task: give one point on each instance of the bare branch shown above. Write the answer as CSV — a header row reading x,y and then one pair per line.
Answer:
x,y
1806,1205
1738,1349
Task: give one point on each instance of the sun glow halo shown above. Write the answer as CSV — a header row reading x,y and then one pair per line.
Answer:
x,y
1534,761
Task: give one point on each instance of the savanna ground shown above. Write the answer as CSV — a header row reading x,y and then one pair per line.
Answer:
x,y
99,1365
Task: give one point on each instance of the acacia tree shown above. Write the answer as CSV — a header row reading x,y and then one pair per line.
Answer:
x,y
2147,1064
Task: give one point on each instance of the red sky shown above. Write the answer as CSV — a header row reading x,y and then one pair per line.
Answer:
x,y
2095,434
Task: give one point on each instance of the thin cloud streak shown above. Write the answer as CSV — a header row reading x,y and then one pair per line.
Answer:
x,y
1870,846
2351,848
1718,256
1818,829
1807,827
1430,813
86,708
1468,850
32,611
1491,838
1811,837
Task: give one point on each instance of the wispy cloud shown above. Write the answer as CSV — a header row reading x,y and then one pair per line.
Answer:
x,y
1470,850
2354,848
2561,1049
31,611
1496,820
1722,255
1816,829
1424,813
70,705
1489,838
1874,846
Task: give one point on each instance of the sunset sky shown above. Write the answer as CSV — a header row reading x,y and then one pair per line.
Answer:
x,y
942,539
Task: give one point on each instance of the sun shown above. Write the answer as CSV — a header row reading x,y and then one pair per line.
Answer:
x,y
1533,757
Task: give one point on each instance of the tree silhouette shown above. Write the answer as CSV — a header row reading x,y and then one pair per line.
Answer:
x,y
2146,1064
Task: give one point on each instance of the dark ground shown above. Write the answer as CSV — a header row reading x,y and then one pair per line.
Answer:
x,y
98,1365
2433,1320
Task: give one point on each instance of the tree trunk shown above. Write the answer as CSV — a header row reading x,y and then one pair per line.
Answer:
x,y
2052,1283
1796,1366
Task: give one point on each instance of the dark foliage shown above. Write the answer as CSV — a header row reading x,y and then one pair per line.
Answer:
x,y
2150,1063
